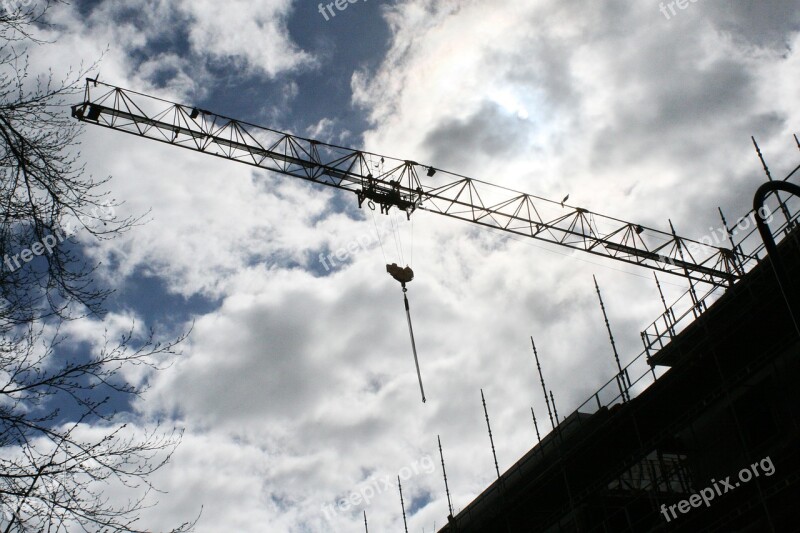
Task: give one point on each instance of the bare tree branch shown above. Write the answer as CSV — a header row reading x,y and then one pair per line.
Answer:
x,y
64,446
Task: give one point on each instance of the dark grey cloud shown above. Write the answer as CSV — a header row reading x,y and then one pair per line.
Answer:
x,y
489,132
760,23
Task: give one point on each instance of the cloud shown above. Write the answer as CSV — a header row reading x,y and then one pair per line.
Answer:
x,y
762,24
252,32
300,386
182,45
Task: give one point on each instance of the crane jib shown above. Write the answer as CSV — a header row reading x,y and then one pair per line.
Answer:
x,y
390,182
372,190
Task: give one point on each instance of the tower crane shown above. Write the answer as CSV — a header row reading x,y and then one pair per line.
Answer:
x,y
398,183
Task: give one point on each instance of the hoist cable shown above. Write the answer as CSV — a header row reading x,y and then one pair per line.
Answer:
x,y
412,244
413,344
380,241
396,238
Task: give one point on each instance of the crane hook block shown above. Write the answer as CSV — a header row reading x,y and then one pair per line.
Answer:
x,y
403,275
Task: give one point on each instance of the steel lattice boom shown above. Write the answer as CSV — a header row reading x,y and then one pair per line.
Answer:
x,y
387,182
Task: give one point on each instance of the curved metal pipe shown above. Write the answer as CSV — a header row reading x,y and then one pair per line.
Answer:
x,y
769,242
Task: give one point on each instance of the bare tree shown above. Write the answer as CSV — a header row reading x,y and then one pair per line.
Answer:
x,y
65,455
55,464
45,194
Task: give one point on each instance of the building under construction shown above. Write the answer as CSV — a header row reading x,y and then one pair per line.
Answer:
x,y
706,439
703,437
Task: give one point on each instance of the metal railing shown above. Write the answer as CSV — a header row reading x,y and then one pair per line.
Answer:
x,y
689,306
749,251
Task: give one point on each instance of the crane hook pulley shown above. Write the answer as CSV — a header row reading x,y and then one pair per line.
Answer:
x,y
405,275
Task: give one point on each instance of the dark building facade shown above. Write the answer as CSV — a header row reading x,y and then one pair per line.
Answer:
x,y
711,445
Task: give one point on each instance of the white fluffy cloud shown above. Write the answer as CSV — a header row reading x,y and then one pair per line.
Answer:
x,y
298,389
252,32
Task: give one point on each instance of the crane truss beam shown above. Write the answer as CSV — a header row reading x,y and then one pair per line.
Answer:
x,y
391,182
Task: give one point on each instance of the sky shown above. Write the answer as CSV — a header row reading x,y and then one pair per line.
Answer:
x,y
296,388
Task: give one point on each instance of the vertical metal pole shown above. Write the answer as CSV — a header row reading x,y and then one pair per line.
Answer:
x,y
402,504
544,389
491,439
668,314
623,385
728,230
769,177
536,426
661,293
366,527
738,258
444,472
553,400
695,301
